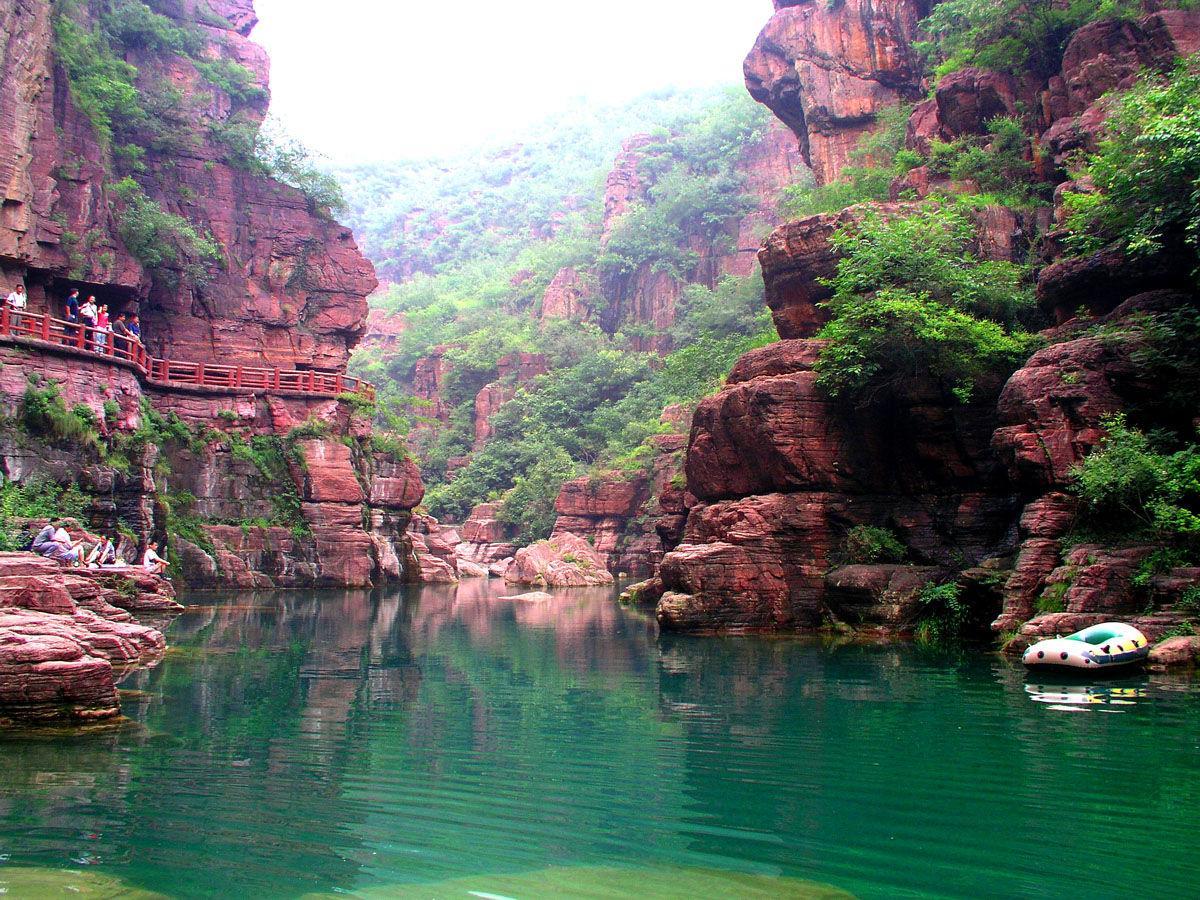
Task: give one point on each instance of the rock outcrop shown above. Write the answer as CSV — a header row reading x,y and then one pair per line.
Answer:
x,y
631,521
486,540
826,70
648,296
565,560
65,640
978,494
288,291
782,473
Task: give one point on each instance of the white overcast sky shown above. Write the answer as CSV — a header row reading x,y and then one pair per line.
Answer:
x,y
366,80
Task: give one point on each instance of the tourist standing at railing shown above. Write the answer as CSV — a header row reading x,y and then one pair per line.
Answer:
x,y
120,339
72,314
17,301
103,327
135,328
88,314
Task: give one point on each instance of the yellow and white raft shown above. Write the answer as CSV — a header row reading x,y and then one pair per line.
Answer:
x,y
1108,646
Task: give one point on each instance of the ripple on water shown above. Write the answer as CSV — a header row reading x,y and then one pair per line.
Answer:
x,y
612,883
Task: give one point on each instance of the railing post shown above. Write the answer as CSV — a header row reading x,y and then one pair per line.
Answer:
x,y
337,383
312,380
46,328
276,378
4,319
237,377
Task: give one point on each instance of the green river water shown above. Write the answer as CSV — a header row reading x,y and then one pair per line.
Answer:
x,y
443,743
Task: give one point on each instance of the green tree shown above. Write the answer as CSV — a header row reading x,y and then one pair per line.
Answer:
x,y
911,297
1146,171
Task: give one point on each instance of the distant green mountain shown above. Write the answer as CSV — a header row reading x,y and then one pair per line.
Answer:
x,y
429,215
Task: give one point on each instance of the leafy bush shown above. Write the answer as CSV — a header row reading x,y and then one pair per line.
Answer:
x,y
879,158
44,414
1014,36
736,306
311,427
872,544
911,298
157,238
529,505
997,162
1145,171
942,614
1126,485
35,499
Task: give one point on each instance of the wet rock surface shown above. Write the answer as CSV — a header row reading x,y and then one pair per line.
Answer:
x,y
66,637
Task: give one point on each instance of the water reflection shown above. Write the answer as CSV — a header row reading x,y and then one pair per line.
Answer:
x,y
347,742
1100,697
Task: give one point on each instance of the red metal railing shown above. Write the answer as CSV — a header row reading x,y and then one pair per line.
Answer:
x,y
105,344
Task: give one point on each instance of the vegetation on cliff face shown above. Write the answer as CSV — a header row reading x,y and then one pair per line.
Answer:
x,y
135,112
1145,174
911,298
434,216
1016,36
602,398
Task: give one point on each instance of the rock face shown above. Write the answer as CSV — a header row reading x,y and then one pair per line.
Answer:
x,y
978,495
826,70
485,540
565,560
1051,416
513,372
782,474
288,291
291,288
64,641
647,296
630,522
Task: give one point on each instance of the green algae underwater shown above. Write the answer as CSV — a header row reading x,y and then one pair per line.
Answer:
x,y
438,742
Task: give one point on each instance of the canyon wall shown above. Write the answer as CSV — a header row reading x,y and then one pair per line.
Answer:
x,y
285,289
979,494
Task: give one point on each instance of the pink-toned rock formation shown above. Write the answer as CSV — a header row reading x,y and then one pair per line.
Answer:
x,y
513,372
826,70
565,560
64,641
485,540
288,291
630,521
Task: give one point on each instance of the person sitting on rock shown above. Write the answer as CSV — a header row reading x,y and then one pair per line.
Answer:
x,y
56,544
42,541
103,554
152,562
17,301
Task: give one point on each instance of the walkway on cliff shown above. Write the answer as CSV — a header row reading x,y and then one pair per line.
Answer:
x,y
41,330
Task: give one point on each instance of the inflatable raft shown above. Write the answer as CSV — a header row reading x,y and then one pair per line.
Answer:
x,y
1108,646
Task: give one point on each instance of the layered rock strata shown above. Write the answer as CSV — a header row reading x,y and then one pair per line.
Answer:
x,y
66,641
289,292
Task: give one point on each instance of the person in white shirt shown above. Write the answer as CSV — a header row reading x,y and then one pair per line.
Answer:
x,y
87,314
152,562
17,301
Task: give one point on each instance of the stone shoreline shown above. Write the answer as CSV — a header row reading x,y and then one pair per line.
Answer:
x,y
68,636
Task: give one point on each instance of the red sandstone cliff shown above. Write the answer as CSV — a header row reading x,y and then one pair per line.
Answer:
x,y
977,494
649,296
289,291
290,287
827,69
